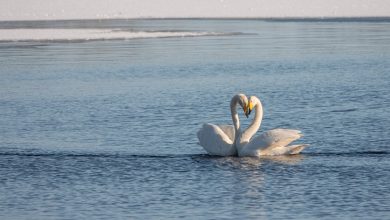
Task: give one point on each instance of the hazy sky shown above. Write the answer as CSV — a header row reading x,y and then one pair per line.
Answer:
x,y
81,9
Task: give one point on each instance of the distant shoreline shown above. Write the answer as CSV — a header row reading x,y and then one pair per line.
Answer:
x,y
308,19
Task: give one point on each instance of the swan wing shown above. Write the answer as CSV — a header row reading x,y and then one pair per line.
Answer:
x,y
228,130
273,142
215,141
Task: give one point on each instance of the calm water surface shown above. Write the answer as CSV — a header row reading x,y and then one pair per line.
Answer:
x,y
107,129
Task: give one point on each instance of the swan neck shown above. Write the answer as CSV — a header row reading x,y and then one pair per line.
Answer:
x,y
233,110
256,122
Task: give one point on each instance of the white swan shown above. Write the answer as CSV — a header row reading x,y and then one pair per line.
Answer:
x,y
220,139
270,143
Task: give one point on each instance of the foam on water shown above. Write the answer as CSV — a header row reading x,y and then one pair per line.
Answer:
x,y
79,34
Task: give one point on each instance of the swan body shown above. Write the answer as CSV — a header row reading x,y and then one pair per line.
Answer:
x,y
271,143
219,140
216,141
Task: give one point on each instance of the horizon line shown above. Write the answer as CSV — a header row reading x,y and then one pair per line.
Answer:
x,y
287,18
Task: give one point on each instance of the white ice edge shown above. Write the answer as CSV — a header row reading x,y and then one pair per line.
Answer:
x,y
90,34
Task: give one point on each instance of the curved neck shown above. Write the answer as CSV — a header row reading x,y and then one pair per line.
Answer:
x,y
236,120
256,122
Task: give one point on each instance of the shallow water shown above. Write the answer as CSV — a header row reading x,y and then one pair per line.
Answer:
x,y
99,129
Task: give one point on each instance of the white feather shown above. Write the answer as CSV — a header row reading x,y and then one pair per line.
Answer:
x,y
270,143
215,141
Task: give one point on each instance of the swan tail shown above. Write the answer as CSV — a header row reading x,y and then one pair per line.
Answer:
x,y
284,150
276,142
202,134
280,138
296,149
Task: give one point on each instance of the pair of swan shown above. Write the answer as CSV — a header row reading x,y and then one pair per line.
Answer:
x,y
228,140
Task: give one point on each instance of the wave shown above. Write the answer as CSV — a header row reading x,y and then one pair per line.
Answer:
x,y
345,110
91,155
349,154
79,34
199,156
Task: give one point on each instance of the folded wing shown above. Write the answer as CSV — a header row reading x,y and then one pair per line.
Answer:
x,y
228,130
273,142
216,141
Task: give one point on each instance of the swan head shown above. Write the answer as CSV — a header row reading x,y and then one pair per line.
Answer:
x,y
242,100
249,107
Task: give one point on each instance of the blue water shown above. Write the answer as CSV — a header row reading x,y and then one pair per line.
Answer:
x,y
107,129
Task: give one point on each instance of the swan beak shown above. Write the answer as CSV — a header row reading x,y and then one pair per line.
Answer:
x,y
248,109
247,112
